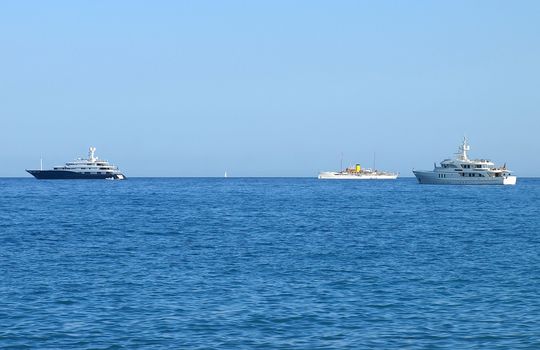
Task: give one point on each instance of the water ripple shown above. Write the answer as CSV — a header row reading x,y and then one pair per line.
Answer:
x,y
268,263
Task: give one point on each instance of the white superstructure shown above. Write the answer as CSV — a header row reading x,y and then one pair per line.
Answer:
x,y
465,171
92,166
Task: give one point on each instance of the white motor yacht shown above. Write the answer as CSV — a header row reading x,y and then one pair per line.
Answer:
x,y
465,171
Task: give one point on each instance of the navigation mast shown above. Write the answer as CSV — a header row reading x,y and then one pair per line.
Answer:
x,y
91,157
462,154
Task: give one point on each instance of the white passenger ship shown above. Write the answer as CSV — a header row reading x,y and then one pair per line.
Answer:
x,y
465,171
91,168
357,173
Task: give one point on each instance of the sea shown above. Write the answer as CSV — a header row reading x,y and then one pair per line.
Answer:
x,y
268,263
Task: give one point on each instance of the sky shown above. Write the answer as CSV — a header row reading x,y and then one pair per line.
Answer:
x,y
268,88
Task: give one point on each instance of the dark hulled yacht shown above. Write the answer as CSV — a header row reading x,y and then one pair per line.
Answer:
x,y
91,168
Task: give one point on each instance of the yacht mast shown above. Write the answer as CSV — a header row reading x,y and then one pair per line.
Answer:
x,y
462,154
91,157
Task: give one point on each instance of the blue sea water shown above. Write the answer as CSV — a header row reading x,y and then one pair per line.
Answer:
x,y
268,263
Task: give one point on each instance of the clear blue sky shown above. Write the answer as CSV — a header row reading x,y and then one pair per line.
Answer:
x,y
268,88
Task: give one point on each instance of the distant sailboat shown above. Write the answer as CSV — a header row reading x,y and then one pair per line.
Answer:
x,y
225,175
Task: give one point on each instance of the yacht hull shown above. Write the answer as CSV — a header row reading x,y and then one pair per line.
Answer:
x,y
71,175
432,178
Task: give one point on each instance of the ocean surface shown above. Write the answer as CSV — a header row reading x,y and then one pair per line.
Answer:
x,y
268,263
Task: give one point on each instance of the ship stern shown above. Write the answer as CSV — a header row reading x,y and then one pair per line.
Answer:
x,y
510,180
